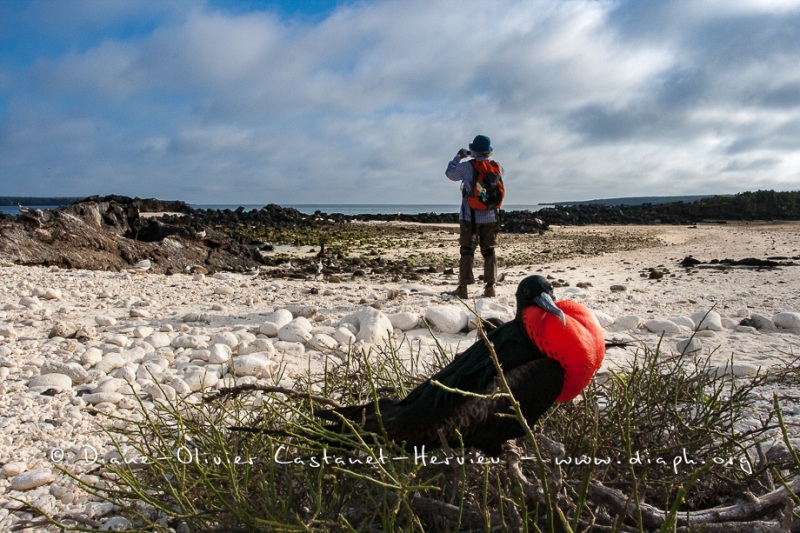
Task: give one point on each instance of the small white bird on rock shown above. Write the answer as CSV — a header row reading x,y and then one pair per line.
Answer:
x,y
252,273
29,210
142,266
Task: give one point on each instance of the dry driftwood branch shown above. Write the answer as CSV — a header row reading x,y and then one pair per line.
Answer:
x,y
435,511
736,527
445,514
748,511
235,391
532,491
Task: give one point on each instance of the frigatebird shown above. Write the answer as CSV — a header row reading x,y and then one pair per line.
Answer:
x,y
548,353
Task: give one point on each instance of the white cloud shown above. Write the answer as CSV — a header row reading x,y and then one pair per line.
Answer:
x,y
582,99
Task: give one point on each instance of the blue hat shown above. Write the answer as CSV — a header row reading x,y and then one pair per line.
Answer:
x,y
481,145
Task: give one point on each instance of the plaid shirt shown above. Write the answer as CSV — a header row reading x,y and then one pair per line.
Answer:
x,y
458,170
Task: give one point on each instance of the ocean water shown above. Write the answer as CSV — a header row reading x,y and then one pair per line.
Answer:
x,y
310,209
371,209
14,210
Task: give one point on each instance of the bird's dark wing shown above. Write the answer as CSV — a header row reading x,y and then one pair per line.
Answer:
x,y
535,385
473,369
428,409
430,415
475,421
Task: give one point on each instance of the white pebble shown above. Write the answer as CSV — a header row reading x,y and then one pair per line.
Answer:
x,y
662,326
253,364
110,362
116,523
188,341
373,326
200,379
294,332
445,318
200,355
52,294
275,321
148,371
8,332
710,320
74,370
322,342
224,290
220,353
30,302
160,392
103,397
191,317
13,468
244,336
118,340
689,346
227,338
141,332
627,322
344,336
683,321
737,370
32,479
762,322
55,381
257,345
729,323
305,311
105,320
91,356
404,321
109,384
180,386
290,349
787,320
604,319
158,340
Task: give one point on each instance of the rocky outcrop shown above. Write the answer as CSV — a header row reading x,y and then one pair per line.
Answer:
x,y
115,232
111,233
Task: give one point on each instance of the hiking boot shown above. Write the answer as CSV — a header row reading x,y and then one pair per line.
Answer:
x,y
489,291
460,292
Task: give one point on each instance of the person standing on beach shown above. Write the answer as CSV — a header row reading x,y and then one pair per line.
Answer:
x,y
477,226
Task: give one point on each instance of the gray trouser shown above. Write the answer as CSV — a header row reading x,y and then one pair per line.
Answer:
x,y
484,235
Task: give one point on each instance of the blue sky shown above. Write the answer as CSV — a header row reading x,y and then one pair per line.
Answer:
x,y
226,101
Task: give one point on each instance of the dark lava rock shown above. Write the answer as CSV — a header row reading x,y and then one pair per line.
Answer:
x,y
751,262
109,233
690,262
749,322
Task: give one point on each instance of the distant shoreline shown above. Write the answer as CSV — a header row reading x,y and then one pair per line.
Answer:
x,y
638,200
758,205
49,201
632,200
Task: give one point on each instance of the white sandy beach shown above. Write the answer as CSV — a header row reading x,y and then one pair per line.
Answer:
x,y
187,330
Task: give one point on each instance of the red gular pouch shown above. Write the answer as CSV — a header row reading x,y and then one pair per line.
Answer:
x,y
579,347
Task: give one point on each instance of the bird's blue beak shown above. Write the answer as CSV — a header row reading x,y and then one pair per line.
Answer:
x,y
545,301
